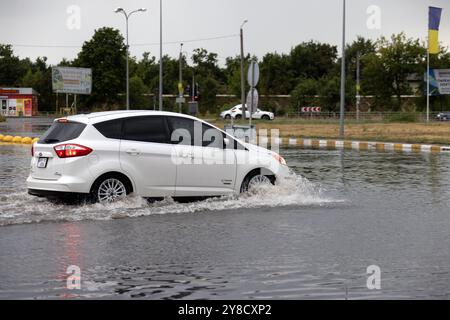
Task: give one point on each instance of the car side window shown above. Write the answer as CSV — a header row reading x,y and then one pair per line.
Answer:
x,y
111,129
212,137
146,129
194,133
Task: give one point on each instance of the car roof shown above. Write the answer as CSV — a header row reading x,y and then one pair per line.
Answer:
x,y
97,117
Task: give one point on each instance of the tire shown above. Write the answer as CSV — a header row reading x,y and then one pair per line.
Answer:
x,y
265,117
227,117
110,188
255,177
238,117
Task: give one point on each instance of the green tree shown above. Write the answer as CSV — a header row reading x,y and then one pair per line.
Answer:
x,y
138,89
12,68
105,53
389,68
304,94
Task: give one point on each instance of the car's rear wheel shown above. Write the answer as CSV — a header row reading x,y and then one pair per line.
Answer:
x,y
227,117
265,117
109,189
238,117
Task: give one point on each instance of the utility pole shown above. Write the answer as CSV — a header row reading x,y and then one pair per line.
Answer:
x,y
341,124
358,84
160,56
180,83
244,113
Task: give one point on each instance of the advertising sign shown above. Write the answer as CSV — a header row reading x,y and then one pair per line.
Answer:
x,y
439,81
72,80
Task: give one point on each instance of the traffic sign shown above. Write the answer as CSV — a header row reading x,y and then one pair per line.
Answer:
x,y
252,100
253,74
311,109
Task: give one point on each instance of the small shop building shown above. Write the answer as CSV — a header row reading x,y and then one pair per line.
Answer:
x,y
18,102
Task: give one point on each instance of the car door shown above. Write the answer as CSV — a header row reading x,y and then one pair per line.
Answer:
x,y
204,166
146,154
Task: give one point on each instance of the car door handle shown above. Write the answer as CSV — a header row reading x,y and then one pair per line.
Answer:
x,y
187,155
133,152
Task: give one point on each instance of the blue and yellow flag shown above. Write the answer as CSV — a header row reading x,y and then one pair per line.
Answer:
x,y
433,29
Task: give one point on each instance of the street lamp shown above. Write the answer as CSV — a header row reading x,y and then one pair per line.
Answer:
x,y
180,83
127,16
160,56
242,69
342,107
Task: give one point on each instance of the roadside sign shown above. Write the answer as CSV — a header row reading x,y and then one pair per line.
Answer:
x,y
72,80
180,100
252,100
253,74
311,109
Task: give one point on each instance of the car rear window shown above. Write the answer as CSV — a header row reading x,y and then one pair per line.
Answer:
x,y
110,129
62,131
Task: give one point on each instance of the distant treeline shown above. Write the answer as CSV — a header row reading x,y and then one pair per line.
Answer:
x,y
310,73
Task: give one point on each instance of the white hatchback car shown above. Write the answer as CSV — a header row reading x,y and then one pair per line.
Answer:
x,y
109,155
236,113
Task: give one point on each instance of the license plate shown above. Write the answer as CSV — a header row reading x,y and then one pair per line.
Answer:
x,y
42,162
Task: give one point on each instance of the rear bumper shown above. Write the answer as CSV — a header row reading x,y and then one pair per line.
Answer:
x,y
54,194
65,184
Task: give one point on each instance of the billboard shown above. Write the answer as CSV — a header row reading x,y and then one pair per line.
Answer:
x,y
439,81
72,80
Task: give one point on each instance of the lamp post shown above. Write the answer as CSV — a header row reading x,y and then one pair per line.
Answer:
x,y
341,124
127,16
242,70
160,56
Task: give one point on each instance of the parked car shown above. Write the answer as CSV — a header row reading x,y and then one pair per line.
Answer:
x,y
106,156
443,116
236,113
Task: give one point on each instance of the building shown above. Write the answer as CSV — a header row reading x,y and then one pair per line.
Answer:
x,y
18,102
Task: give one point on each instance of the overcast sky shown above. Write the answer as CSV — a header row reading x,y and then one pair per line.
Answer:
x,y
273,25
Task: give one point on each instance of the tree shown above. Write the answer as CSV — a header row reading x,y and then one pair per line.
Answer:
x,y
304,94
388,69
12,69
137,94
276,75
105,53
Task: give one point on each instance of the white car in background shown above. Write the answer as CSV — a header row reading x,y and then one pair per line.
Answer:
x,y
236,113
108,155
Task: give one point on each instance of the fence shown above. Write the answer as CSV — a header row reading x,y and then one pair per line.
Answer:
x,y
366,116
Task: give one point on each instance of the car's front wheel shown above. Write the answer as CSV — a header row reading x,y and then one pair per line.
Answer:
x,y
255,179
110,189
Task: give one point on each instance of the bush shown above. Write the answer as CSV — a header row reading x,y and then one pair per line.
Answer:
x,y
403,117
2,118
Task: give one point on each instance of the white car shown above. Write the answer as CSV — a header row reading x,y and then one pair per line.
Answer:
x,y
109,155
236,113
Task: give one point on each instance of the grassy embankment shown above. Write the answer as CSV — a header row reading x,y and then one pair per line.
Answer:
x,y
433,133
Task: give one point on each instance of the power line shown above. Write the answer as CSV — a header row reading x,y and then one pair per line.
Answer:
x,y
132,45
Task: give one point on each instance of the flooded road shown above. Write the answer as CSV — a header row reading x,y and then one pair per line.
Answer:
x,y
311,237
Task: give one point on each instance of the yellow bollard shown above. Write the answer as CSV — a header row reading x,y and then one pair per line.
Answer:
x,y
7,139
26,140
1,137
35,140
17,139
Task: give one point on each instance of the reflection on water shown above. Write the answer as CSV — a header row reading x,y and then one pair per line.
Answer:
x,y
312,236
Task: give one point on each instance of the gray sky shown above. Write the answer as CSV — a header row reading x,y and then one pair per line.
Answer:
x,y
273,25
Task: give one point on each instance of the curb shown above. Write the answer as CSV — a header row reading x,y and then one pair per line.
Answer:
x,y
362,145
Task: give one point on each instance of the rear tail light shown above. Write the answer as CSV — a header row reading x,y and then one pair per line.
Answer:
x,y
32,150
72,150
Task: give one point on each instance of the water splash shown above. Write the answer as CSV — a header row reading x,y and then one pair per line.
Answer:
x,y
294,190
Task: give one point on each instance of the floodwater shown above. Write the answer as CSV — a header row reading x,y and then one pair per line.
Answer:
x,y
312,236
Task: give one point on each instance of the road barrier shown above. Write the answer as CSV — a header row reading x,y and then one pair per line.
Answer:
x,y
363,146
18,139
306,143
